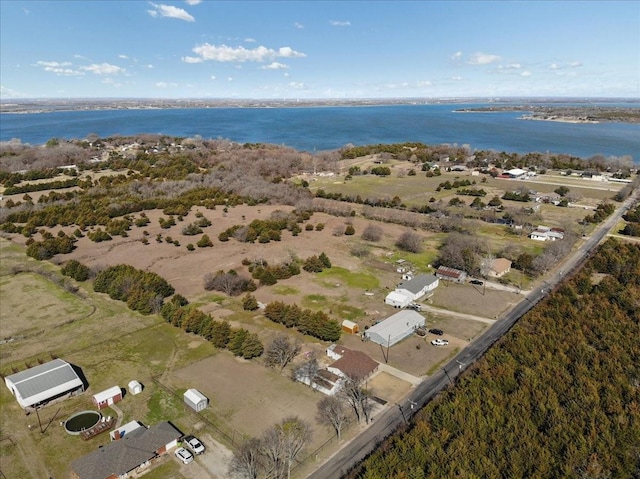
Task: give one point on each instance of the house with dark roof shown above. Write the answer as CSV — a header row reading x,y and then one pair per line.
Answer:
x,y
135,450
451,274
44,383
354,365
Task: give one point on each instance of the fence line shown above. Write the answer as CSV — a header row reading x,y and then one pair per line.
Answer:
x,y
231,438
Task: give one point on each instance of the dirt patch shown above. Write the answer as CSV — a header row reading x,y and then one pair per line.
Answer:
x,y
247,398
388,387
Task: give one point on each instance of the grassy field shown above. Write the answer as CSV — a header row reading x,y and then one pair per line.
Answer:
x,y
40,318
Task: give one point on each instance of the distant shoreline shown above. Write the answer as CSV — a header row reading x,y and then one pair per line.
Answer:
x,y
566,114
585,108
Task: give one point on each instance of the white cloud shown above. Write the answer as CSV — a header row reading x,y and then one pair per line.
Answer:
x,y
229,78
192,2
297,85
456,56
339,23
483,59
213,77
224,53
424,83
525,73
123,57
103,69
59,68
456,78
298,26
250,40
275,66
6,92
562,66
170,11
515,66
162,84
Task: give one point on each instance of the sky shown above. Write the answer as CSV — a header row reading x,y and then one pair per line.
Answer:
x,y
311,49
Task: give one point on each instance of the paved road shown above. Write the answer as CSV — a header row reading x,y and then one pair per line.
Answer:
x,y
385,423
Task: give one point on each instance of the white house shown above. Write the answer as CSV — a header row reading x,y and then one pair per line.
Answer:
x,y
395,328
44,383
412,290
544,233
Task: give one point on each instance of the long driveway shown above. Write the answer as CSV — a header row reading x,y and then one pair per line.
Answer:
x,y
388,421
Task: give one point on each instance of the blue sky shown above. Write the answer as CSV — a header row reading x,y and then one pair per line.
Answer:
x,y
318,49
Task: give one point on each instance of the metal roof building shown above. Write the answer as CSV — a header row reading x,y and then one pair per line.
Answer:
x,y
44,382
395,328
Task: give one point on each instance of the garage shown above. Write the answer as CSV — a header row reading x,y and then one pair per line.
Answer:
x,y
395,328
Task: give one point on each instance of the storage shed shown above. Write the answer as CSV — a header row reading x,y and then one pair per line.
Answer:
x,y
195,399
350,327
45,382
395,328
134,387
107,397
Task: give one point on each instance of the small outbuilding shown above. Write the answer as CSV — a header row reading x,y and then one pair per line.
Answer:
x,y
195,400
395,328
350,327
107,397
134,387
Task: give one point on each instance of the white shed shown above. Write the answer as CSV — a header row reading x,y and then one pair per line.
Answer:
x,y
134,387
195,399
395,328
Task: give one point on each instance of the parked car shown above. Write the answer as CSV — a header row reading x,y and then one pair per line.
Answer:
x,y
439,342
185,456
476,281
437,332
194,444
415,307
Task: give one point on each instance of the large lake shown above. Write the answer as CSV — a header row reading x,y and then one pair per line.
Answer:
x,y
328,128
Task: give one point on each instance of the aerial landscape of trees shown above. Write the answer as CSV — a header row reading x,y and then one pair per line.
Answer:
x,y
558,396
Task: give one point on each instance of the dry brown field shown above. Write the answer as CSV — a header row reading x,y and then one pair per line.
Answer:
x,y
113,345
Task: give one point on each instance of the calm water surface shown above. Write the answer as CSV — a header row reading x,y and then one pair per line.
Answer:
x,y
328,128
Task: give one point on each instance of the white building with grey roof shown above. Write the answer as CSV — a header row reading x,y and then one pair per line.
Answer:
x,y
43,383
412,290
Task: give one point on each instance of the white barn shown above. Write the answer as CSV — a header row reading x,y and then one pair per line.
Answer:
x,y
44,383
412,290
395,328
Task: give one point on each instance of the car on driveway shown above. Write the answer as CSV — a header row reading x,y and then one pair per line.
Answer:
x,y
194,444
439,342
437,332
185,456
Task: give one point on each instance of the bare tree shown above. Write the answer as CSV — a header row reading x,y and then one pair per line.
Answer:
x,y
410,241
294,434
307,370
332,412
272,452
281,352
246,461
372,233
357,397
